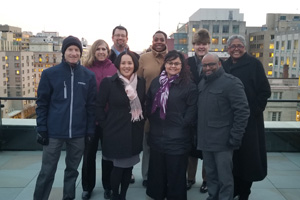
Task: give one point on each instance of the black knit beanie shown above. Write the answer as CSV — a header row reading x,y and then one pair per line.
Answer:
x,y
71,40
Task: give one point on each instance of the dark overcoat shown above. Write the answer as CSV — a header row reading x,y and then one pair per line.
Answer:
x,y
171,135
122,138
250,161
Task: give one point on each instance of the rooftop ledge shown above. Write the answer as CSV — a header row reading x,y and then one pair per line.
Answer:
x,y
268,124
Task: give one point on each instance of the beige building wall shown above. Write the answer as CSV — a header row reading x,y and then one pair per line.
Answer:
x,y
221,24
282,89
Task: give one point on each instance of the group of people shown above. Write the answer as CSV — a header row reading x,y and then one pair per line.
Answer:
x,y
174,109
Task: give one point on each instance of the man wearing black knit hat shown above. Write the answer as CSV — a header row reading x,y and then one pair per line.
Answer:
x,y
65,115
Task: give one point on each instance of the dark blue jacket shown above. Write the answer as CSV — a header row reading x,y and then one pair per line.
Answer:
x,y
66,101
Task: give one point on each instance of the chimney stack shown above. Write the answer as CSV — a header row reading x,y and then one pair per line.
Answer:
x,y
285,71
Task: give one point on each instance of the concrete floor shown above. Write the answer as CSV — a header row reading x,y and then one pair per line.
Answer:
x,y
19,170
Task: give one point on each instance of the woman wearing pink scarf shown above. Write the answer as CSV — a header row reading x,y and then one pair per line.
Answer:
x,y
171,109
120,114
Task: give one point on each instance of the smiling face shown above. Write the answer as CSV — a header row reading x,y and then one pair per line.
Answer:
x,y
201,49
173,67
120,38
159,42
126,66
210,64
101,52
72,54
236,49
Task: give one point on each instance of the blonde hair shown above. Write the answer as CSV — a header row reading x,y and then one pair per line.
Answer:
x,y
89,61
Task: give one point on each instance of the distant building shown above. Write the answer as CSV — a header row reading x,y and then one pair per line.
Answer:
x,y
262,44
221,23
282,89
287,52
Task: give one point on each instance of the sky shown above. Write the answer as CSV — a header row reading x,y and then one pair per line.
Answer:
x,y
95,19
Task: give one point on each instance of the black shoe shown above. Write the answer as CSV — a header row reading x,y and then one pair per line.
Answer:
x,y
145,183
203,188
107,194
86,195
189,184
132,180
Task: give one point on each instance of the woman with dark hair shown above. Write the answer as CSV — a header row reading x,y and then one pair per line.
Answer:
x,y
120,114
171,109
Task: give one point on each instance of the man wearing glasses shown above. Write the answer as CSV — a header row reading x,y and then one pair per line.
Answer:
x,y
120,38
222,118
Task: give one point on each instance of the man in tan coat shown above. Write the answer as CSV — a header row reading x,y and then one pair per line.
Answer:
x,y
149,67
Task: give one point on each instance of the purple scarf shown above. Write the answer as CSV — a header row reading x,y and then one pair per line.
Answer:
x,y
162,95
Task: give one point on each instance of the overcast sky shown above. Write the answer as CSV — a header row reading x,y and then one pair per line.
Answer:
x,y
95,19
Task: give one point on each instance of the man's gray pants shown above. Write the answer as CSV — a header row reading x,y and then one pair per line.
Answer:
x,y
51,155
218,167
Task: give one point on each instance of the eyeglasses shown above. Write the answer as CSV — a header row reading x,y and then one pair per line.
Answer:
x,y
120,35
208,65
176,64
239,46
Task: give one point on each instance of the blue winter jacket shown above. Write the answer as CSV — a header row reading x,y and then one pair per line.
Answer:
x,y
66,101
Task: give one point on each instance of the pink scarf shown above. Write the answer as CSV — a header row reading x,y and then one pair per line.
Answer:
x,y
130,89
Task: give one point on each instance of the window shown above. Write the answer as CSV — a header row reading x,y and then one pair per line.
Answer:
x,y
275,116
17,64
251,39
296,18
294,61
289,44
281,61
282,45
195,28
277,95
18,79
224,40
270,73
277,45
282,18
206,26
271,46
295,44
17,72
17,58
272,37
236,29
225,29
3,58
271,55
215,28
215,40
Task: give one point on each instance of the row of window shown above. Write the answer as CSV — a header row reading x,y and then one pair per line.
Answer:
x,y
5,58
282,61
282,45
216,28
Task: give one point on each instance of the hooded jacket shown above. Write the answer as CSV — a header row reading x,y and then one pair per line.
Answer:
x,y
66,101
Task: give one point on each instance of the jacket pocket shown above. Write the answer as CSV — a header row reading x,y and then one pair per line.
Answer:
x,y
218,124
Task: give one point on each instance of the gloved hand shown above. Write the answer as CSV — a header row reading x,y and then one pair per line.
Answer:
x,y
42,138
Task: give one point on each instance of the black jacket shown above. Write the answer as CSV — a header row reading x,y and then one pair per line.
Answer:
x,y
172,136
121,137
250,161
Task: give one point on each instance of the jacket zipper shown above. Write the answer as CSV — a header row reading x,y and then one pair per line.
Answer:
x,y
71,103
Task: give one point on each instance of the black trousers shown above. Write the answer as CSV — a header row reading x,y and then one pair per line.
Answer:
x,y
167,176
242,188
89,165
